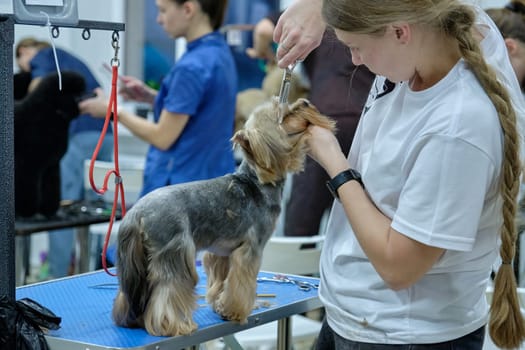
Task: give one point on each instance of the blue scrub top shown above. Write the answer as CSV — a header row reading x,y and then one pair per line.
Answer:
x,y
44,63
203,85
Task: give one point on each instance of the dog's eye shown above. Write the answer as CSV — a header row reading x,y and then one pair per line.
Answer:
x,y
306,103
292,134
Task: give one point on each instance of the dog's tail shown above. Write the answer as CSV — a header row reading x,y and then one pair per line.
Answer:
x,y
132,270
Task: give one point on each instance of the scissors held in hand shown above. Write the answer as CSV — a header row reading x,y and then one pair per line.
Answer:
x,y
284,91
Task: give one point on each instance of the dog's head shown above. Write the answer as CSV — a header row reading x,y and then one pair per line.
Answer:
x,y
274,149
47,101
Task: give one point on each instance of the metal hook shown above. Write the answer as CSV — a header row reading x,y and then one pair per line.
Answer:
x,y
55,32
114,43
115,36
86,34
115,62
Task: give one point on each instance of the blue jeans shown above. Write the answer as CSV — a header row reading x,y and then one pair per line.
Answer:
x,y
80,148
329,340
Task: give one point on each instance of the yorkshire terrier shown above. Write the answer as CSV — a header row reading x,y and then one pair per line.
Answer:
x,y
231,217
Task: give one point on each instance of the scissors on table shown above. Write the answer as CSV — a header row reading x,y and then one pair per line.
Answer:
x,y
302,285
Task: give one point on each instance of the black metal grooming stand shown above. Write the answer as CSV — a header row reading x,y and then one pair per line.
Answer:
x,y
7,195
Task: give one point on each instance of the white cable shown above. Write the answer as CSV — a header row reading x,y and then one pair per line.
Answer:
x,y
54,50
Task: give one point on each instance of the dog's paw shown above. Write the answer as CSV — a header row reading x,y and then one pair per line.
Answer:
x,y
165,328
185,328
231,311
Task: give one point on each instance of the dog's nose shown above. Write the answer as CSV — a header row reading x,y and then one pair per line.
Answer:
x,y
306,103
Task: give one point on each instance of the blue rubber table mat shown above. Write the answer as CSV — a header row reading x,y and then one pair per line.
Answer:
x,y
84,303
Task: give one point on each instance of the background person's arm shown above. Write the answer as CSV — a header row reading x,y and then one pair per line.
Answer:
x,y
162,134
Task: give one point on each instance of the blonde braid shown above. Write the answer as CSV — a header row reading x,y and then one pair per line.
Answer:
x,y
506,324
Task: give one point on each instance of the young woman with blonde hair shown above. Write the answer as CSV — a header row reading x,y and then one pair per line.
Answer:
x,y
427,195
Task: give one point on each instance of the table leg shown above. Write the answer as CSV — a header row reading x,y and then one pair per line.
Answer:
x,y
231,342
284,334
83,242
21,263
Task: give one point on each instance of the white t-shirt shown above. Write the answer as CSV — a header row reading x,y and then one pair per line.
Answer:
x,y
430,160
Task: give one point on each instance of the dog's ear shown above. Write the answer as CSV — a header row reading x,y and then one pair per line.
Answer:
x,y
241,139
264,152
301,114
294,124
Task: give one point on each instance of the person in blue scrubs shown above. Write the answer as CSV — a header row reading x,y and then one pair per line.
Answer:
x,y
245,13
37,57
195,106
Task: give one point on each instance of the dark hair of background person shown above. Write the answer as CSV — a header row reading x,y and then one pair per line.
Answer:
x,y
510,20
215,9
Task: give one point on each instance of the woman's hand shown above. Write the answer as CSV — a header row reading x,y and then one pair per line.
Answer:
x,y
135,89
96,106
299,30
325,150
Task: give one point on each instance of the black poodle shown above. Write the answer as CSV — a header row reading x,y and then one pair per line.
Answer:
x,y
41,123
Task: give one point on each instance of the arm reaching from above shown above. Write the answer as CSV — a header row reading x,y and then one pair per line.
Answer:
x,y
298,31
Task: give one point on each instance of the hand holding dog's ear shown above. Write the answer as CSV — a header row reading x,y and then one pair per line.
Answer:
x,y
324,148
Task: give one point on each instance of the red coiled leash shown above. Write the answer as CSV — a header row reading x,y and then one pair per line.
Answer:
x,y
112,111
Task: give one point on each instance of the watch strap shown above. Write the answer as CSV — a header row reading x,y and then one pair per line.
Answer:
x,y
342,178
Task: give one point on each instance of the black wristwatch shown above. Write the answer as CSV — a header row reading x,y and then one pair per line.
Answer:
x,y
341,178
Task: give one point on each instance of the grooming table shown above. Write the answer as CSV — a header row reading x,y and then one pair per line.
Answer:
x,y
85,301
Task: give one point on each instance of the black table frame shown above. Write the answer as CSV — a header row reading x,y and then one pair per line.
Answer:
x,y
7,207
25,228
